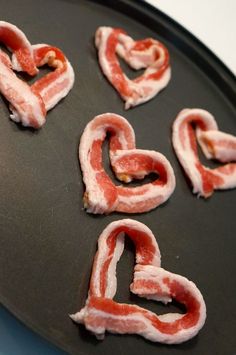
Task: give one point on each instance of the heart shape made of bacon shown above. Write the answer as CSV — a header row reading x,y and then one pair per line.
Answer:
x,y
128,163
148,53
151,281
197,125
29,104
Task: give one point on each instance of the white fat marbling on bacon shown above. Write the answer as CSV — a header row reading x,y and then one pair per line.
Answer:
x,y
103,254
149,195
101,38
146,88
66,78
215,145
34,118
218,145
102,314
49,93
111,274
95,201
16,41
154,87
26,106
185,154
227,174
163,192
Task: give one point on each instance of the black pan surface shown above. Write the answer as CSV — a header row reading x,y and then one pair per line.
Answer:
x,y
47,241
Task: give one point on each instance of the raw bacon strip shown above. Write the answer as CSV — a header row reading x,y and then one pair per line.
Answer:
x,y
54,86
17,42
218,145
151,281
128,163
215,145
29,104
26,105
147,53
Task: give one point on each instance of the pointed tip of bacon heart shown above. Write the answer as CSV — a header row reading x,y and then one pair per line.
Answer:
x,y
75,317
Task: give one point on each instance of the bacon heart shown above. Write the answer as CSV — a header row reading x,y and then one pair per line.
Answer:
x,y
128,163
29,104
54,86
26,105
151,281
147,53
196,125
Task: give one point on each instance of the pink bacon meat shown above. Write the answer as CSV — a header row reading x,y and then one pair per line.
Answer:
x,y
54,86
128,163
148,53
26,104
16,41
151,281
196,125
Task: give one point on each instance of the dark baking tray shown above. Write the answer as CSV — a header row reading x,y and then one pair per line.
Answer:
x,y
47,241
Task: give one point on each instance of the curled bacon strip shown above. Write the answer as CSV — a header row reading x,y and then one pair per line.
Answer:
x,y
147,53
128,163
52,87
26,105
151,281
16,41
215,145
30,104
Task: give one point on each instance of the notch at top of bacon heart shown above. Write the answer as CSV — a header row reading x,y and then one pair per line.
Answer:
x,y
196,125
147,53
150,281
128,163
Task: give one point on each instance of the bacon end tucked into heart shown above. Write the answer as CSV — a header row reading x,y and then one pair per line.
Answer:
x,y
197,125
102,314
149,54
128,163
16,41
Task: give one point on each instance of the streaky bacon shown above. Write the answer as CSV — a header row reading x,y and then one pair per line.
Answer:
x,y
29,104
151,281
15,40
54,86
128,163
197,125
26,105
148,53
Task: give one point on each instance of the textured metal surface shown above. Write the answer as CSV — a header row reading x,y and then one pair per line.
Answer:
x,y
47,241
